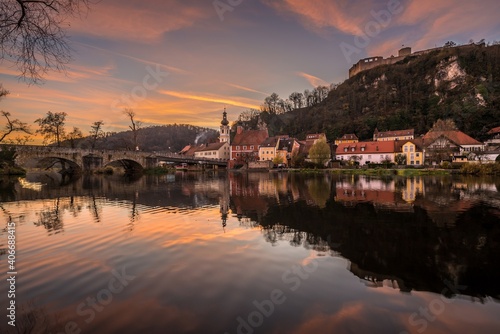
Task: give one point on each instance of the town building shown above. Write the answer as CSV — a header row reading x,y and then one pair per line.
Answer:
x,y
493,143
245,144
444,145
267,150
366,152
216,151
347,139
408,134
311,139
287,148
413,150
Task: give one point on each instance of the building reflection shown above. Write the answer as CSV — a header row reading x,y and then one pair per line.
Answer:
x,y
410,233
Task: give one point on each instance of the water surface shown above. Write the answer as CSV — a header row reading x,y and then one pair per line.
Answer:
x,y
255,253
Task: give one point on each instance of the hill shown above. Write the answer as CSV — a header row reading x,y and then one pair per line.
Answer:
x,y
461,83
155,138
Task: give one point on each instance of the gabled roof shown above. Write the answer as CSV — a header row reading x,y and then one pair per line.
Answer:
x,y
396,133
458,137
494,131
273,141
370,147
211,147
286,144
314,136
250,137
350,136
419,143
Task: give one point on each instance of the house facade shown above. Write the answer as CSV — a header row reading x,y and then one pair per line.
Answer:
x,y
286,149
216,151
267,150
350,138
412,150
444,145
366,152
245,145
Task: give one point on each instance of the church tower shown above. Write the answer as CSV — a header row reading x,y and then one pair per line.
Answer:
x,y
224,128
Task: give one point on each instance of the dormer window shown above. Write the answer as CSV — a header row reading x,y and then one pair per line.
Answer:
x,y
353,149
345,149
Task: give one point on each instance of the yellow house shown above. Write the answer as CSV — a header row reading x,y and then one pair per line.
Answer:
x,y
350,138
413,151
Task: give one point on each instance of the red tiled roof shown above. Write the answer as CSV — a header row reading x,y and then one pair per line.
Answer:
x,y
250,138
458,137
314,136
369,147
397,133
494,131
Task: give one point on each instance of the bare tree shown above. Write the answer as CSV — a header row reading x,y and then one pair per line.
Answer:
x,y
11,125
52,127
73,136
444,125
96,132
33,37
134,126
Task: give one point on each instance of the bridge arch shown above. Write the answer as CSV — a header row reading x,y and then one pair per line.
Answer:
x,y
130,166
64,166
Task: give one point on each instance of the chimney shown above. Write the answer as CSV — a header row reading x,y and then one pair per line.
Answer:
x,y
239,129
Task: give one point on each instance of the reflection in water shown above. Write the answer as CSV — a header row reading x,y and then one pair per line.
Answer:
x,y
415,235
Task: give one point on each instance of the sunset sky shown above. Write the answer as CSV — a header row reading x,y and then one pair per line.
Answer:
x,y
204,59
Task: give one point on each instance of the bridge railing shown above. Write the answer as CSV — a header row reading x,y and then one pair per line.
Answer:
x,y
68,150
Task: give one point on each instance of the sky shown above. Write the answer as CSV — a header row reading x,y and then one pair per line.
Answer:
x,y
184,61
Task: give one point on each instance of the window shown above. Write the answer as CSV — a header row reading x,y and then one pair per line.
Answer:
x,y
418,155
381,157
237,148
369,156
244,147
251,147
406,148
412,162
418,162
411,148
345,149
362,149
353,149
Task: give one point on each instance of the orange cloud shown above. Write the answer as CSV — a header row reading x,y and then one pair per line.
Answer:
x,y
125,20
247,89
314,81
435,22
221,100
346,16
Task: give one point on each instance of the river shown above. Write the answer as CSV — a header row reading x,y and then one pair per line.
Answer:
x,y
249,253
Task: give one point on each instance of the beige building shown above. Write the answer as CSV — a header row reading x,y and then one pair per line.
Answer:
x,y
214,151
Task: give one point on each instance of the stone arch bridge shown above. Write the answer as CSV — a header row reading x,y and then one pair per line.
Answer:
x,y
74,160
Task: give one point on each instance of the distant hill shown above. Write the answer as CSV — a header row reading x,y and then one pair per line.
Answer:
x,y
155,138
461,83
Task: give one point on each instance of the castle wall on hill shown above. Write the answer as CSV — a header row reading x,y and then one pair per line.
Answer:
x,y
372,62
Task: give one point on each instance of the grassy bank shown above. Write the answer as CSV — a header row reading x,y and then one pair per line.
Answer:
x,y
480,169
375,171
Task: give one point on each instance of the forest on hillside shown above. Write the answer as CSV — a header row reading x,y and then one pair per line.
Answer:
x,y
458,83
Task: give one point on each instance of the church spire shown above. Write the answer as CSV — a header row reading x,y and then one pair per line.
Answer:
x,y
224,128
